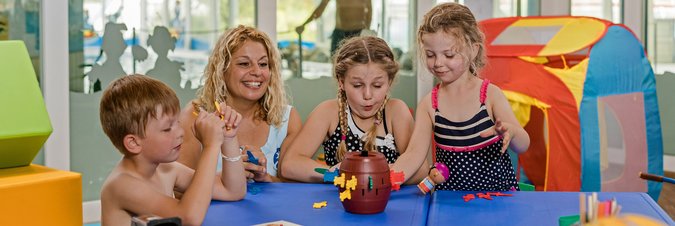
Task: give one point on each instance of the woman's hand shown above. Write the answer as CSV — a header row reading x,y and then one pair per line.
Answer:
x,y
257,172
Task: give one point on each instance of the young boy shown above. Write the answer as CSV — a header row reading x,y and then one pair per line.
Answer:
x,y
140,116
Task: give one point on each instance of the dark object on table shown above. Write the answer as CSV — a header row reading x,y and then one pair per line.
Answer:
x,y
657,178
155,221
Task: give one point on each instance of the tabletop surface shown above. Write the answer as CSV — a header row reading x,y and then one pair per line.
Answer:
x,y
529,208
292,202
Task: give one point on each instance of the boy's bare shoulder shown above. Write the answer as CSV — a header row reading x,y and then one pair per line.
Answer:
x,y
119,181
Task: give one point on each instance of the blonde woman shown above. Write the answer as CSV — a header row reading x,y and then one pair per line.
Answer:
x,y
244,72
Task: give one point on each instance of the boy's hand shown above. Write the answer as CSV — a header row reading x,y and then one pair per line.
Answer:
x,y
208,128
231,119
256,172
502,129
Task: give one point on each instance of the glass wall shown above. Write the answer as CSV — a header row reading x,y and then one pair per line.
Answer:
x,y
603,9
20,20
166,39
661,35
505,8
388,19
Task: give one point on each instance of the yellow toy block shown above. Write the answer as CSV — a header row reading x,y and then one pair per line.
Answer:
x,y
340,181
37,195
319,205
347,194
351,183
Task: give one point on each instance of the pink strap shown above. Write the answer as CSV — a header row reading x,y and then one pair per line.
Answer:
x,y
483,90
434,96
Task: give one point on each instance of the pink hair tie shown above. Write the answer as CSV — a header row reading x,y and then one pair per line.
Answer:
x,y
443,169
344,137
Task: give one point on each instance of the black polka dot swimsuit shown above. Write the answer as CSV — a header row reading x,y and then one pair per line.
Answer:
x,y
385,145
476,163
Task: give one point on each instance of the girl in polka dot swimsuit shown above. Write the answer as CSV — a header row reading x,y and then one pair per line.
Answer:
x,y
365,70
470,119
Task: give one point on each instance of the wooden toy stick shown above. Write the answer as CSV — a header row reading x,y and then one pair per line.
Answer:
x,y
657,178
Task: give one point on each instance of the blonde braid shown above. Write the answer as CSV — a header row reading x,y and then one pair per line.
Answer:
x,y
371,135
342,102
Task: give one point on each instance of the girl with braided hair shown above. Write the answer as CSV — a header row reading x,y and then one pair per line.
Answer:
x,y
362,117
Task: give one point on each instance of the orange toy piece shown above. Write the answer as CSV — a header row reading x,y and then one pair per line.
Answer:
x,y
499,194
485,196
396,179
468,197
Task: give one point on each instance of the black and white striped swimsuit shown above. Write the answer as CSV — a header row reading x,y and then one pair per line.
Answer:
x,y
476,163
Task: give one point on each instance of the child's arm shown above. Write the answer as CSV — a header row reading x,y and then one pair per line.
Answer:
x,y
402,127
506,124
232,183
298,164
416,152
139,197
401,122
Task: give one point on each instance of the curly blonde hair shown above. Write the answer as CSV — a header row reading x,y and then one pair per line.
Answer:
x,y
215,89
457,20
361,50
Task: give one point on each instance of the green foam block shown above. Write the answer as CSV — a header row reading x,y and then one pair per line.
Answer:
x,y
24,122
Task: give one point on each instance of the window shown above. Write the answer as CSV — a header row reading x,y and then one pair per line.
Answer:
x,y
603,9
168,40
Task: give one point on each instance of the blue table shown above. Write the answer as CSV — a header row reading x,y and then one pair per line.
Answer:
x,y
529,208
292,202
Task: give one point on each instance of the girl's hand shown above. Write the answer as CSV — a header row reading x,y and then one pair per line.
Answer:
x,y
231,118
502,129
336,166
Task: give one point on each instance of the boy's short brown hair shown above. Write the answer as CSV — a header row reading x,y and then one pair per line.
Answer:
x,y
128,103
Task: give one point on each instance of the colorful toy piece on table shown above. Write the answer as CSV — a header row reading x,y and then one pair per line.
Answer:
x,y
364,182
319,205
396,180
328,176
251,158
439,173
592,211
486,195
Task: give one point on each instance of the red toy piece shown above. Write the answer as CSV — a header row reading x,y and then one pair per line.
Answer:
x,y
468,197
396,179
499,194
485,196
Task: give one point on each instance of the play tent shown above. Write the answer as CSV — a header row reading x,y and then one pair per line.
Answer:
x,y
586,94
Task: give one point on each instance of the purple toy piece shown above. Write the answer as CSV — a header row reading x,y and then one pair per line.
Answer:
x,y
443,169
